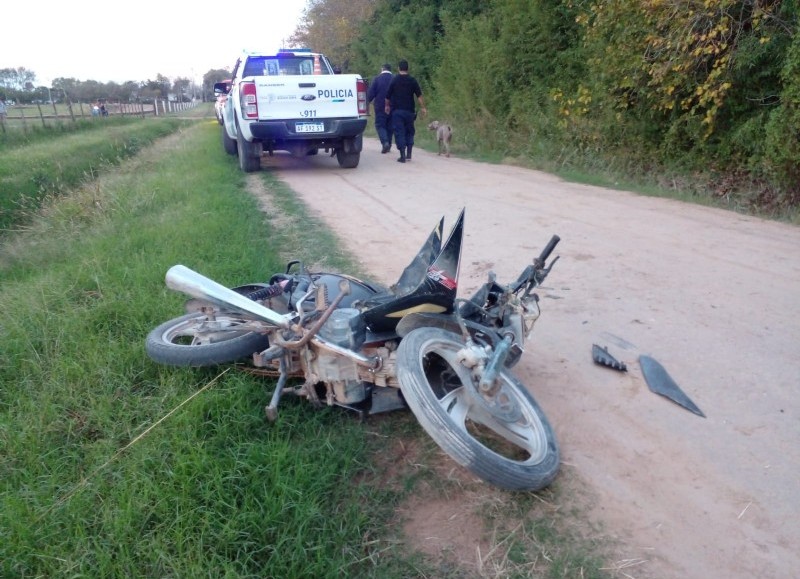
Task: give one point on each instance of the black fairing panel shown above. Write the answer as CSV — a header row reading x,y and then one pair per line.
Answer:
x,y
435,292
414,271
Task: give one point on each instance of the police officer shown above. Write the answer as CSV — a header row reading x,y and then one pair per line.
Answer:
x,y
376,94
400,104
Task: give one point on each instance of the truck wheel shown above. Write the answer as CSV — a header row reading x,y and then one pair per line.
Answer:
x,y
227,143
347,160
249,159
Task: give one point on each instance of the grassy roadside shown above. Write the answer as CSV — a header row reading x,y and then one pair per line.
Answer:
x,y
45,164
88,490
213,489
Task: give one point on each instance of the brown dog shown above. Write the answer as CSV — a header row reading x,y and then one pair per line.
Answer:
x,y
444,134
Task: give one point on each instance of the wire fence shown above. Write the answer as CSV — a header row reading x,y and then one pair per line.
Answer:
x,y
29,116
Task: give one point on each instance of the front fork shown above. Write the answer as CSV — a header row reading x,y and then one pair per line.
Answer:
x,y
487,383
484,362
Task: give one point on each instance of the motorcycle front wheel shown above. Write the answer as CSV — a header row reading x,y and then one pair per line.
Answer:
x,y
505,439
196,340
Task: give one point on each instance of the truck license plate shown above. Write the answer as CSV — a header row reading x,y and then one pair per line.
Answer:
x,y
309,127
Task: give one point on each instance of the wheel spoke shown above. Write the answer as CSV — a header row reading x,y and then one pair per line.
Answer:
x,y
456,404
523,433
501,435
205,331
195,340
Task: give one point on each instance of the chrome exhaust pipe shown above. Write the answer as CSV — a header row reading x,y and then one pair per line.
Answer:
x,y
182,279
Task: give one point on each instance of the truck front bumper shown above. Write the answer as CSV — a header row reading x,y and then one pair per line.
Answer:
x,y
334,130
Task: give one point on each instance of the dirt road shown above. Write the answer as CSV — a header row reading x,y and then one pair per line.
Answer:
x,y
714,296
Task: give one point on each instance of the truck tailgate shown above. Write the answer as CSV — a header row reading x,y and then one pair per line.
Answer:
x,y
306,97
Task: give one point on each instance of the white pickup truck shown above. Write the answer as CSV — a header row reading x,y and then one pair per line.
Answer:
x,y
292,101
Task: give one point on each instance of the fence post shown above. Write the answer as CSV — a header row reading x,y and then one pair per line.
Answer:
x,y
41,115
69,107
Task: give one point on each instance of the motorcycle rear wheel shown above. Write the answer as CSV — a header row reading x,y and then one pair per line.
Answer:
x,y
191,340
507,442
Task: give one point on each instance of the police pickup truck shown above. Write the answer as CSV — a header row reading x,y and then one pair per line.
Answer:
x,y
292,101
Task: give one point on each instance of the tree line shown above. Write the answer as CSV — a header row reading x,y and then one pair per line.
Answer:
x,y
19,85
702,87
708,88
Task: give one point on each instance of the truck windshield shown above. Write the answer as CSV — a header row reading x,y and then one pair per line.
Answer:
x,y
276,66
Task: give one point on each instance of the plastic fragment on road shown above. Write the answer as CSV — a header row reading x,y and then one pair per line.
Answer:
x,y
601,356
660,382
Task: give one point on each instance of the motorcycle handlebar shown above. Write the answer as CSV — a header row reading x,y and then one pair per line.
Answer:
x,y
536,272
551,245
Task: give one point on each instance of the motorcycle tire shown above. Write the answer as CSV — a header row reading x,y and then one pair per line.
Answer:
x,y
507,442
183,342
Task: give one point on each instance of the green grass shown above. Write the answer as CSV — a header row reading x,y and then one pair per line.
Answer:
x,y
214,489
111,465
34,169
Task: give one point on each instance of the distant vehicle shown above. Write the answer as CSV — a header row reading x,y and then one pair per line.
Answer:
x,y
292,101
222,96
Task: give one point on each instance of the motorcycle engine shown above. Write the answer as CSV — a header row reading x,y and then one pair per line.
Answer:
x,y
345,328
342,374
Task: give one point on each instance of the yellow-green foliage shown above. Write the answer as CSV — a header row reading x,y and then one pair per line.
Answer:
x,y
783,129
633,83
675,55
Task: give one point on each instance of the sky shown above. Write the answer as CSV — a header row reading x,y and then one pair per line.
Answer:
x,y
137,40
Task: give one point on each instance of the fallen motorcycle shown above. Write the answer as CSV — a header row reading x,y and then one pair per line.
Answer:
x,y
372,349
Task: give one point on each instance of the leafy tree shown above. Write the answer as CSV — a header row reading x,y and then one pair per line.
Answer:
x,y
68,86
331,27
152,89
409,29
782,159
211,77
17,79
182,88
676,64
163,83
130,91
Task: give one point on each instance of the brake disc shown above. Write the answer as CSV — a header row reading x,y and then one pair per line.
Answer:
x,y
499,404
